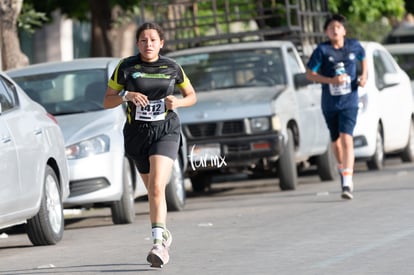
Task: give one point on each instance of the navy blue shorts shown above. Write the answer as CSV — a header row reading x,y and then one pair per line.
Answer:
x,y
153,138
342,121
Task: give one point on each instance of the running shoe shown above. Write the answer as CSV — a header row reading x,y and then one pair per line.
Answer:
x,y
158,256
167,239
347,193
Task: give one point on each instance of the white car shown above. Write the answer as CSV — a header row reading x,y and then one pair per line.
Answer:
x,y
101,175
385,120
33,166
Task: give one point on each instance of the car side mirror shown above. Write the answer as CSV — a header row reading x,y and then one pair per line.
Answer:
x,y
300,80
391,79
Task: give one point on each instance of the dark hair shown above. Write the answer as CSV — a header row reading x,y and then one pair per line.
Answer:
x,y
336,17
149,26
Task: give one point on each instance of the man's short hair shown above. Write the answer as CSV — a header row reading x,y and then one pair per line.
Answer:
x,y
336,17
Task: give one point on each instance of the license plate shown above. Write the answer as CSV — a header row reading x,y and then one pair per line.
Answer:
x,y
204,152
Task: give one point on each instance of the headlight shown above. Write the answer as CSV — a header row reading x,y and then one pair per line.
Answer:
x,y
259,124
276,124
89,147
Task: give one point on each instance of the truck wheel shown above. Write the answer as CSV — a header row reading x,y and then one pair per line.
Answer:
x,y
47,226
327,165
377,160
407,154
286,166
123,211
175,191
200,182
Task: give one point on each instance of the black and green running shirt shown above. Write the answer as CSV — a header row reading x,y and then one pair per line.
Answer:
x,y
156,79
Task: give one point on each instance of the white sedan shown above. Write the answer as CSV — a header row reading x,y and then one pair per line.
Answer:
x,y
33,166
385,120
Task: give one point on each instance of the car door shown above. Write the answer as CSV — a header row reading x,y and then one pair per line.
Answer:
x,y
26,123
9,166
395,102
313,138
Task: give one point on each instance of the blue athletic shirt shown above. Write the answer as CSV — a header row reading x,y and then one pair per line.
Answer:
x,y
323,61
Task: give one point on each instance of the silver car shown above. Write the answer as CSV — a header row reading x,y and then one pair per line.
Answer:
x,y
33,166
100,172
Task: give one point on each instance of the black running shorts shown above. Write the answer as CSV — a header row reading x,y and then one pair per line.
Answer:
x,y
144,139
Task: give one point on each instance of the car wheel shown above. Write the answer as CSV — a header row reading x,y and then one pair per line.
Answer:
x,y
175,191
377,160
286,166
200,182
47,226
327,165
123,211
407,154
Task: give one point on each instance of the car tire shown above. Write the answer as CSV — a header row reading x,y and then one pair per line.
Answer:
x,y
46,228
327,166
376,162
123,211
200,182
407,154
286,166
175,191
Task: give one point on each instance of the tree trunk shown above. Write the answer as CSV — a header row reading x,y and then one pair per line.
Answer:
x,y
11,54
101,26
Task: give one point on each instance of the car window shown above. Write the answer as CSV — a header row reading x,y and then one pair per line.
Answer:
x,y
293,62
382,64
67,92
406,62
8,95
232,69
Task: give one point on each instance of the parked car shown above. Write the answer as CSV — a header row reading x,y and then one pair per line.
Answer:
x,y
401,34
385,120
100,172
33,166
403,53
256,113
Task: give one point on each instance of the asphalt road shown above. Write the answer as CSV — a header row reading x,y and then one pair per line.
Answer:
x,y
246,227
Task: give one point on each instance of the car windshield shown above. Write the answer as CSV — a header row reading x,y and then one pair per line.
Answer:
x,y
234,69
406,62
68,92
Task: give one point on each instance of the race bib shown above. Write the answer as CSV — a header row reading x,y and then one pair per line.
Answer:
x,y
343,89
155,110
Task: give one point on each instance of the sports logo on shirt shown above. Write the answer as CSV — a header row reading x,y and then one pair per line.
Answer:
x,y
145,75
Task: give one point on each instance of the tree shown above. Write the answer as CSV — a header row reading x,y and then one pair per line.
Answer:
x,y
111,20
11,54
106,28
369,19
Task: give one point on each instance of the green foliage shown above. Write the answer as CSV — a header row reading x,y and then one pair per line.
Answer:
x,y
79,10
126,16
215,17
367,10
369,31
368,19
29,19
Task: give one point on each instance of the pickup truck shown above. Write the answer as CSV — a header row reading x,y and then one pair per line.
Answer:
x,y
256,113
